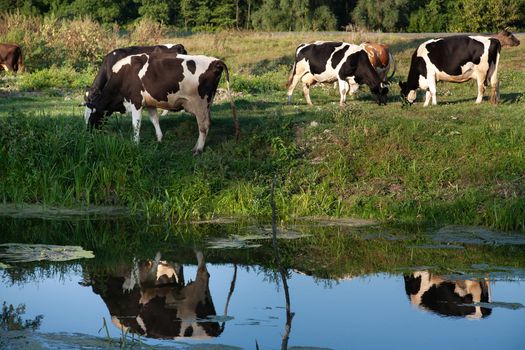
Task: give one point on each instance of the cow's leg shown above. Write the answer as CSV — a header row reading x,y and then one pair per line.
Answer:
x,y
494,84
343,90
481,89
308,80
201,110
292,85
428,96
153,116
431,80
136,116
164,112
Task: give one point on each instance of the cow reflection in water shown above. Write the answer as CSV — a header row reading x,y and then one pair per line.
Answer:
x,y
448,297
151,299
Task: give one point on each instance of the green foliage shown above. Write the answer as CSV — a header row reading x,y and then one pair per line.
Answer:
x,y
155,10
384,15
55,78
323,19
287,15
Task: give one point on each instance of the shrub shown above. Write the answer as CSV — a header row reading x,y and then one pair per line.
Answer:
x,y
56,78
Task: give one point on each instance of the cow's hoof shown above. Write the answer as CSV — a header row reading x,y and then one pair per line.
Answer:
x,y
197,152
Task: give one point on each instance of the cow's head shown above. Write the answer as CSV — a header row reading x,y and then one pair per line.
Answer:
x,y
93,115
507,39
380,93
408,94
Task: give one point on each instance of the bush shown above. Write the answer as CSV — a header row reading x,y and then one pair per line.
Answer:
x,y
56,78
47,41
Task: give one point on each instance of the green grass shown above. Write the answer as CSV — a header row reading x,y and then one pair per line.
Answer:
x,y
456,162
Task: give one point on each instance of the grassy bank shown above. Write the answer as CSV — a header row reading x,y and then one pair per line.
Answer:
x,y
456,162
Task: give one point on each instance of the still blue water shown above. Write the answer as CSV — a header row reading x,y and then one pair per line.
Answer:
x,y
364,312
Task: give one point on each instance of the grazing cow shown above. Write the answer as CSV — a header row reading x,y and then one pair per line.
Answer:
x,y
116,55
345,63
456,59
11,58
506,38
151,298
159,80
448,297
381,59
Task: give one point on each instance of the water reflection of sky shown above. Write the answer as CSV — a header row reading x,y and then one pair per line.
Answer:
x,y
370,312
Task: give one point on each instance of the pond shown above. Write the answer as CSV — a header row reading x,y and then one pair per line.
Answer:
x,y
335,285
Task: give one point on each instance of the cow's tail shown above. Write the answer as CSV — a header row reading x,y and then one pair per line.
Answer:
x,y
393,64
290,77
21,66
232,104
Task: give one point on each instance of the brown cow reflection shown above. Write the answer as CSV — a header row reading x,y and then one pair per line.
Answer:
x,y
151,298
448,297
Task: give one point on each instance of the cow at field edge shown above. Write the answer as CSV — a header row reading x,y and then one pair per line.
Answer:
x,y
456,59
11,58
116,55
381,59
166,81
151,298
448,297
345,63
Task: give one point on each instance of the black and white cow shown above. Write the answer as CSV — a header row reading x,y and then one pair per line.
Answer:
x,y
448,297
158,80
325,61
456,59
111,58
151,298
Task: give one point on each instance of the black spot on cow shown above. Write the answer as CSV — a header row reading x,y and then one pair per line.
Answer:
x,y
417,67
412,284
209,80
494,50
188,332
163,77
451,53
338,56
318,55
191,66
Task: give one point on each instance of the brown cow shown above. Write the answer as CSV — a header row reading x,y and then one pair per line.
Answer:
x,y
506,38
11,58
380,58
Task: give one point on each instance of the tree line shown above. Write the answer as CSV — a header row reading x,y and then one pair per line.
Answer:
x,y
290,15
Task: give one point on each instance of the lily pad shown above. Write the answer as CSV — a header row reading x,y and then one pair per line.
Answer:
x,y
17,252
476,235
231,243
349,222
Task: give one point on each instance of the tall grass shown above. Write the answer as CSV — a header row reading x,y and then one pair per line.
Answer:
x,y
453,163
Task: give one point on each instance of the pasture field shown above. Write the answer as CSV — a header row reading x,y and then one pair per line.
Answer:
x,y
454,163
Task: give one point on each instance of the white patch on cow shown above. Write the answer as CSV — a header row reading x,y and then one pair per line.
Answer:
x,y
87,113
143,70
411,96
142,325
133,279
169,46
122,62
